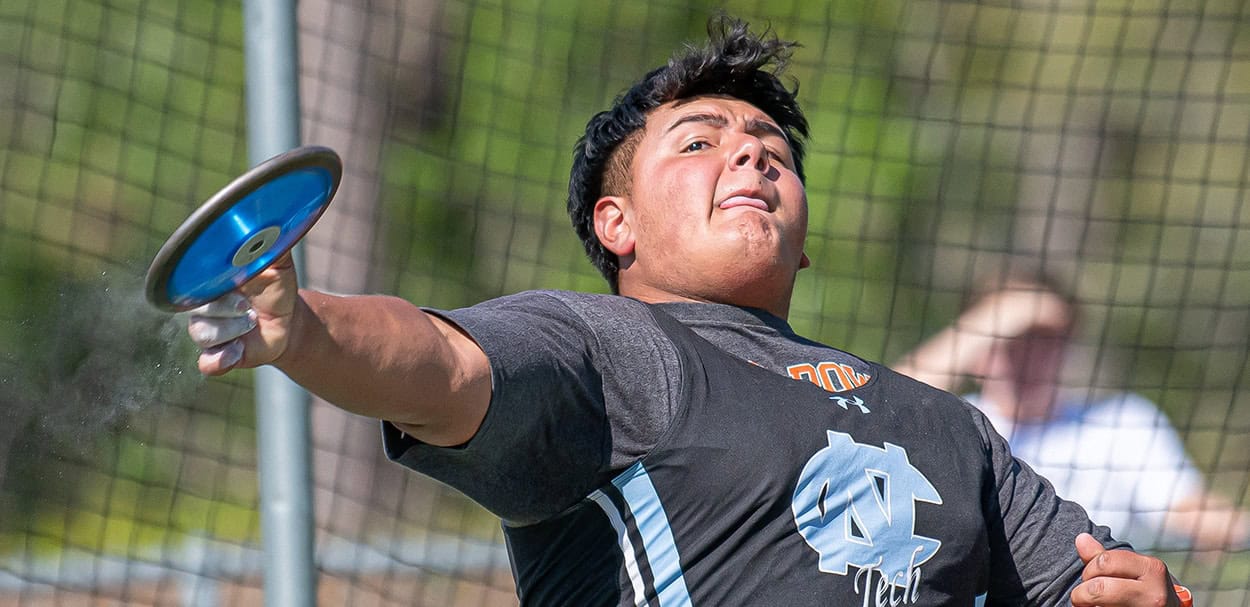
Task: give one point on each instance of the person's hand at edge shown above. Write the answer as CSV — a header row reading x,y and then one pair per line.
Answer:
x,y
1114,578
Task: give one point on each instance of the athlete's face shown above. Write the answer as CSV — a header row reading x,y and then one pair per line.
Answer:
x,y
715,211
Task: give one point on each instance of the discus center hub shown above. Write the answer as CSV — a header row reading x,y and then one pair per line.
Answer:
x,y
255,246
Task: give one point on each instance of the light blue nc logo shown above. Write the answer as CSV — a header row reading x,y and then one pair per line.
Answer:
x,y
855,505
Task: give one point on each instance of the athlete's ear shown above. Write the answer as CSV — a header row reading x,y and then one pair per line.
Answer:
x,y
805,261
612,225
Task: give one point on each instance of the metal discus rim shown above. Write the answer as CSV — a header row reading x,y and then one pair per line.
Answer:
x,y
260,243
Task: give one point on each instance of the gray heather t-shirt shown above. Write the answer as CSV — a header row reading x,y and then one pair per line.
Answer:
x,y
586,385
594,375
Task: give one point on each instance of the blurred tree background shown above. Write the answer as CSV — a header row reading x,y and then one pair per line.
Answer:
x,y
1104,141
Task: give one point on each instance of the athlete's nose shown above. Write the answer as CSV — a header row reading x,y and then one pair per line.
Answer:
x,y
750,153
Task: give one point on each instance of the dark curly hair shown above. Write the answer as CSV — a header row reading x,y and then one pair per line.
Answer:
x,y
734,62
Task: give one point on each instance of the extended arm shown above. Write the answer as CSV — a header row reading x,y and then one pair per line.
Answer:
x,y
376,356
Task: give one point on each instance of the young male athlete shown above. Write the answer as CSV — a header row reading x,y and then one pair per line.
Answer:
x,y
676,443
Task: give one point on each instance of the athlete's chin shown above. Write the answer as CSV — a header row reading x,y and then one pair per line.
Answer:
x,y
762,240
752,225
766,288
766,266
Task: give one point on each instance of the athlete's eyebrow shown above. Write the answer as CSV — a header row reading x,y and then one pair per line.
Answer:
x,y
755,126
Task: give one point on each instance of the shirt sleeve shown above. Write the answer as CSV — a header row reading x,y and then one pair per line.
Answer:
x,y
1032,531
543,442
581,386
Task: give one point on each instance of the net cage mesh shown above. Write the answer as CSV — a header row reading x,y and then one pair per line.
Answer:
x,y
1103,143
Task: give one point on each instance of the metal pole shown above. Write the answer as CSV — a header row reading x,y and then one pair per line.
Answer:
x,y
282,407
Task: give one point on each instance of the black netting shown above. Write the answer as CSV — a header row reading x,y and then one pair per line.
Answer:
x,y
1104,143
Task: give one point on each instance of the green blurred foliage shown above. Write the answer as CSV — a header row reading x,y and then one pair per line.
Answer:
x,y
117,120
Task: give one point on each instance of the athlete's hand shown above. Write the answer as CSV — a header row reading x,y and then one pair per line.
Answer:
x,y
1121,578
248,327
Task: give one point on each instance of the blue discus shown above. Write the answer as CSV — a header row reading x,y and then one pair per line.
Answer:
x,y
243,228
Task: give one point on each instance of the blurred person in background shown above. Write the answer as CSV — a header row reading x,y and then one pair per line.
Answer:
x,y
1117,455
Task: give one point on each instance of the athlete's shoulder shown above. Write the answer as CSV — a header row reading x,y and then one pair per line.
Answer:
x,y
596,309
603,322
576,300
914,388
558,302
582,298
930,401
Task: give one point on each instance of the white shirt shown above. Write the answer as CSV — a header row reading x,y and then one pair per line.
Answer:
x,y
1118,457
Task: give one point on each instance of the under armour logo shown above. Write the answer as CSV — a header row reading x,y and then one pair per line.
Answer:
x,y
845,404
855,505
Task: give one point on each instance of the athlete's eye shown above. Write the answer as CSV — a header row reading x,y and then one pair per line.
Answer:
x,y
696,146
778,158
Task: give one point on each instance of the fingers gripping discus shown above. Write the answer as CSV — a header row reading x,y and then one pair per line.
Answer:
x,y
243,228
